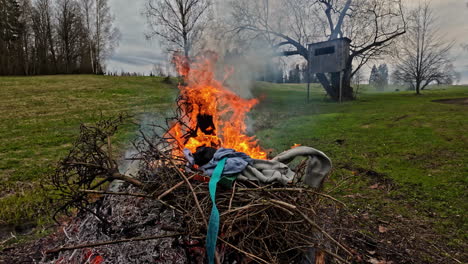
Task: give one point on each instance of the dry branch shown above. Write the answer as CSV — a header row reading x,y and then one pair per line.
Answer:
x,y
98,244
267,224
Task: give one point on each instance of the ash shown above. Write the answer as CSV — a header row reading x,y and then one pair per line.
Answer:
x,y
129,217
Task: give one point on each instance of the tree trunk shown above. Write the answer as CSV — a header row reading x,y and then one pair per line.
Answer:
x,y
51,44
322,78
347,90
332,86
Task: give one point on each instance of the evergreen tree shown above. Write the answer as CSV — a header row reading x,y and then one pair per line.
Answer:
x,y
295,75
382,81
374,76
379,77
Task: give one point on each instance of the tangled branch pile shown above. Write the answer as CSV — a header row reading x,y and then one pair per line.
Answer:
x,y
260,223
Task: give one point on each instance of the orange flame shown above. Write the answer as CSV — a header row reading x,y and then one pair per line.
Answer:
x,y
211,115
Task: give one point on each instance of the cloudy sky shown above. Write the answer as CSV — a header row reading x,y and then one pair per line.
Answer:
x,y
136,54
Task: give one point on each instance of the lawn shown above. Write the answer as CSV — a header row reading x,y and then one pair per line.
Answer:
x,y
41,116
394,153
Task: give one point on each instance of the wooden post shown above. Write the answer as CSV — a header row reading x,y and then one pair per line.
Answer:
x,y
341,87
308,80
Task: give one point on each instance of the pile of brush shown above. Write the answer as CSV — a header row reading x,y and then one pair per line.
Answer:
x,y
271,223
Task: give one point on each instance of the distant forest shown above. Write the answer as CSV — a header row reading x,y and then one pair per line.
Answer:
x,y
55,36
276,73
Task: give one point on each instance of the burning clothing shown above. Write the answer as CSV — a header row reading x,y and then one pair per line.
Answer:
x,y
236,162
267,171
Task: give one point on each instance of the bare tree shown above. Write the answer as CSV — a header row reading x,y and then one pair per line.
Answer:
x,y
158,70
50,33
45,27
55,36
372,25
41,15
10,30
87,9
357,80
106,36
68,18
423,53
179,24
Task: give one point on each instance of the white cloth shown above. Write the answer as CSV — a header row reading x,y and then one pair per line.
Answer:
x,y
268,171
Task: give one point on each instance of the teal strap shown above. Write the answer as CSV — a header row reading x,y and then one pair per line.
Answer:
x,y
213,226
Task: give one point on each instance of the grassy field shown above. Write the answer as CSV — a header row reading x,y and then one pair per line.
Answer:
x,y
395,153
39,119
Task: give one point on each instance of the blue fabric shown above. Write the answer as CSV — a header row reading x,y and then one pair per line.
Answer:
x,y
213,226
235,163
189,156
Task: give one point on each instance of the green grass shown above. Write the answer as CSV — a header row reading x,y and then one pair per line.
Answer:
x,y
416,146
39,119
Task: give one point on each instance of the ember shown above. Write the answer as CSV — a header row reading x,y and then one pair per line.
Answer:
x,y
296,145
211,115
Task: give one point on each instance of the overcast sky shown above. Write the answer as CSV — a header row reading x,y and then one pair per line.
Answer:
x,y
136,54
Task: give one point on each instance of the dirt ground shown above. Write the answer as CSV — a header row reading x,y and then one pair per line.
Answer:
x,y
459,101
369,238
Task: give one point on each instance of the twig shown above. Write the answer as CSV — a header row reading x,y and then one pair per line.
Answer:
x,y
8,239
281,205
241,208
232,195
183,176
125,178
193,192
74,163
90,245
243,252
343,181
319,248
109,147
444,252
117,193
115,175
323,232
174,187
282,208
288,222
334,255
132,194
290,206
290,190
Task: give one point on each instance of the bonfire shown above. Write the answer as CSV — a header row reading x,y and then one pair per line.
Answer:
x,y
201,191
